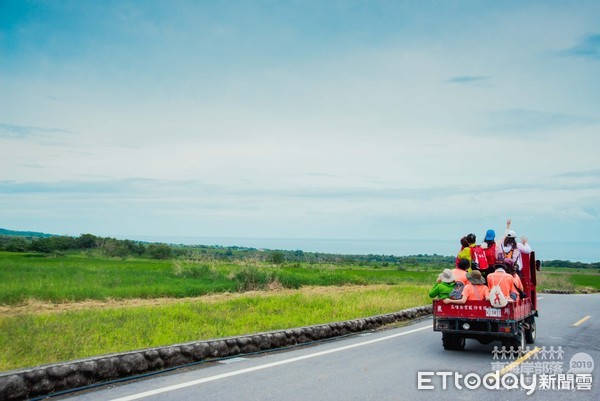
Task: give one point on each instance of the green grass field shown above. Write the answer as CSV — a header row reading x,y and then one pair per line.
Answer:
x,y
76,278
586,280
40,338
57,308
570,281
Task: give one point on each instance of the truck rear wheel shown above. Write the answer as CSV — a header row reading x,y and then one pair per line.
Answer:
x,y
530,331
518,342
453,342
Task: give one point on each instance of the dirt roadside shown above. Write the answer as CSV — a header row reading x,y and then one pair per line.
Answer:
x,y
34,307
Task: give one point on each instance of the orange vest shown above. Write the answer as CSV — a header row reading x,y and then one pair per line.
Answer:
x,y
518,282
503,279
476,292
460,275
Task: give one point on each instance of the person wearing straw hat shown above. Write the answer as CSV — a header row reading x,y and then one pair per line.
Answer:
x,y
475,290
444,285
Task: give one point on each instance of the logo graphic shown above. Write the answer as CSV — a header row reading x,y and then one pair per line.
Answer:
x,y
529,369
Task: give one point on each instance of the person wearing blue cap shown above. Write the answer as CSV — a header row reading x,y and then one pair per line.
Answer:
x,y
489,247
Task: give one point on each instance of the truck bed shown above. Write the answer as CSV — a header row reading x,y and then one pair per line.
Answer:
x,y
482,310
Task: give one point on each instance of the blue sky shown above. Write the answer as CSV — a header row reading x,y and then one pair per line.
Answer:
x,y
300,119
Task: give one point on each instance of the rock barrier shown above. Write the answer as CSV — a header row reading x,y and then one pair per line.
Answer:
x,y
45,380
558,292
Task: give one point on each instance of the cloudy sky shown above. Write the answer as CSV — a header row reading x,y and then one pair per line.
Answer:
x,y
300,119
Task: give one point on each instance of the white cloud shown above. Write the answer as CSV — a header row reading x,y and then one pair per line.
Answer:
x,y
364,138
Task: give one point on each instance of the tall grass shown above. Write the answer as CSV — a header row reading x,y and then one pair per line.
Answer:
x,y
566,281
76,278
554,281
29,340
586,281
65,279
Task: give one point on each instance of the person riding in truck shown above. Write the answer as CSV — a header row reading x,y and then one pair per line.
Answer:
x,y
501,278
443,286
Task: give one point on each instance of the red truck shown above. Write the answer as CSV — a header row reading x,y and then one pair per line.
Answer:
x,y
513,324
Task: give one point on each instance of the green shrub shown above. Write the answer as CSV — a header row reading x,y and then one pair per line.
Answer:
x,y
159,251
290,281
188,269
277,258
252,278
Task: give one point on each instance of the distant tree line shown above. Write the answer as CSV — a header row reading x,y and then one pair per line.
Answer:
x,y
111,247
570,265
298,256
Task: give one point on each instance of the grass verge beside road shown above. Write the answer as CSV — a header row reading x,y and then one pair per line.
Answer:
x,y
47,337
551,279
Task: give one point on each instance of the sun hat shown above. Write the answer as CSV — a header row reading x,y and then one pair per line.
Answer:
x,y
511,234
499,263
490,235
446,276
475,277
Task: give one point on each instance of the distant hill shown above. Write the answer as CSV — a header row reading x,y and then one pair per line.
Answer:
x,y
4,231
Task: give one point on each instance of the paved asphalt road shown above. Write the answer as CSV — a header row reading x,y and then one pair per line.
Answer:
x,y
379,366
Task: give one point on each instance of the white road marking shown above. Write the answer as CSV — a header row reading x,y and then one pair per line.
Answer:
x,y
581,321
519,361
261,367
233,360
514,364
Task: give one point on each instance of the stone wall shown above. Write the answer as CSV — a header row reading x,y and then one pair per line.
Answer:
x,y
558,292
43,380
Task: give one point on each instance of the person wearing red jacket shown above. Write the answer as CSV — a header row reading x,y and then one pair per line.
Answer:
x,y
489,247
